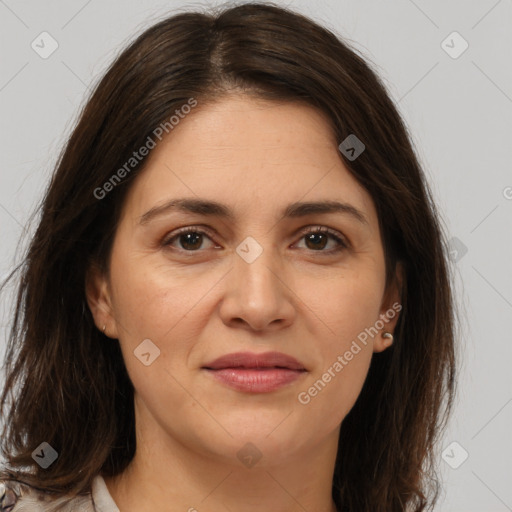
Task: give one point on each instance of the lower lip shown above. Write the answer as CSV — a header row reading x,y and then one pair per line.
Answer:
x,y
256,381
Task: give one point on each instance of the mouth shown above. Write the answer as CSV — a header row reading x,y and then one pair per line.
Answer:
x,y
256,373
252,361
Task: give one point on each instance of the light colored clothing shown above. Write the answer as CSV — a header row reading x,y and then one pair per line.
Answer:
x,y
101,497
16,496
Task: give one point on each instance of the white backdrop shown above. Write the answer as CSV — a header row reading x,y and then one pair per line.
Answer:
x,y
455,93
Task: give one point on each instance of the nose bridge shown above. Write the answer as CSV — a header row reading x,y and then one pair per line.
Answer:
x,y
255,264
255,293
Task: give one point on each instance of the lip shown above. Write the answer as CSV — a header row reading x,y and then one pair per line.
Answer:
x,y
255,373
253,361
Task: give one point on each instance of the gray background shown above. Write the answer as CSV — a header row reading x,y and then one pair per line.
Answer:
x,y
459,111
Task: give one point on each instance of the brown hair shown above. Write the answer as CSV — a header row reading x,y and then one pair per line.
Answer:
x,y
68,386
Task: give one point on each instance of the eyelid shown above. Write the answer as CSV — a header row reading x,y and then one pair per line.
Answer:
x,y
316,228
341,239
179,231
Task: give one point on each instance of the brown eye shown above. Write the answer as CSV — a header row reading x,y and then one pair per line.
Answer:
x,y
189,239
318,238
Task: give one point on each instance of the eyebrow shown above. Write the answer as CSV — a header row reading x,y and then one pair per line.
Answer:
x,y
213,208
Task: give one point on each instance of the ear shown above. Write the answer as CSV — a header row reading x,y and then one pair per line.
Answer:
x,y
390,310
97,291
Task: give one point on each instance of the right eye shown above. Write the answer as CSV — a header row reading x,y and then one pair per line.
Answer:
x,y
189,238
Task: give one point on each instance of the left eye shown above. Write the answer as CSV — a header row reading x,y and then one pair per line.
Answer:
x,y
320,235
316,239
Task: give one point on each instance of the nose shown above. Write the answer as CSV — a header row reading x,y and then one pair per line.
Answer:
x,y
257,295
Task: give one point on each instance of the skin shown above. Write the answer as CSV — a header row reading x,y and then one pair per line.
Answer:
x,y
256,158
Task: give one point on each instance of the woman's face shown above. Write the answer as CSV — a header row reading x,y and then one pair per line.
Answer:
x,y
248,278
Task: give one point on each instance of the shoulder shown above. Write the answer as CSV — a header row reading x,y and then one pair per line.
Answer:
x,y
16,496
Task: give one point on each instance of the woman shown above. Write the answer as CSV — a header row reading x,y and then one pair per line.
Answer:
x,y
238,294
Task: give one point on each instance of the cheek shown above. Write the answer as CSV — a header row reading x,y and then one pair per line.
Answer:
x,y
149,299
150,304
346,305
166,306
346,311
333,388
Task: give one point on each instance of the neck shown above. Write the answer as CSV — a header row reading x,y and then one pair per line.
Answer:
x,y
168,475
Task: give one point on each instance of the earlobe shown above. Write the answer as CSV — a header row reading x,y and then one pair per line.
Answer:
x,y
386,340
97,293
390,312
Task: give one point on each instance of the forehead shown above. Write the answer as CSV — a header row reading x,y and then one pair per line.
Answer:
x,y
248,154
241,117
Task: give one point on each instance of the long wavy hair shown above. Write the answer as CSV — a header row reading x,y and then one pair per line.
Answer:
x,y
66,385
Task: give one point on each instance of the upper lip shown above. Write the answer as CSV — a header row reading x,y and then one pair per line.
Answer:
x,y
251,360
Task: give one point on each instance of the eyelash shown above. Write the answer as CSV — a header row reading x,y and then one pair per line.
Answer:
x,y
343,244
